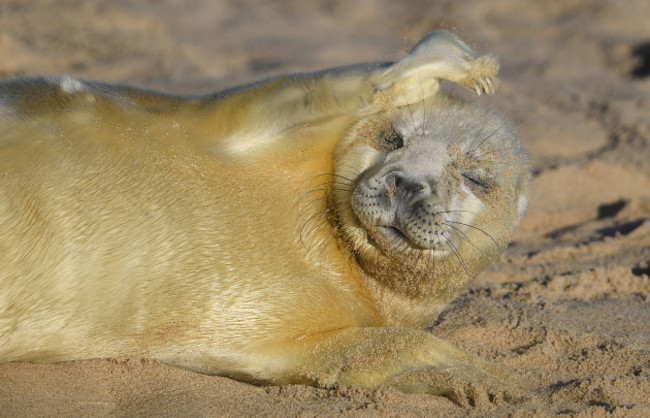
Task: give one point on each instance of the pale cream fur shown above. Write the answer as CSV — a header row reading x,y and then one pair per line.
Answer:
x,y
200,232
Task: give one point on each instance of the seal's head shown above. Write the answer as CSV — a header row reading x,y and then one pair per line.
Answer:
x,y
435,192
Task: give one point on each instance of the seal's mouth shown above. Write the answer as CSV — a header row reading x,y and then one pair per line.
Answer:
x,y
396,236
392,231
401,213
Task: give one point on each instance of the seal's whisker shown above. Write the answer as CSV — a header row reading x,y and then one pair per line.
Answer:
x,y
463,234
457,253
309,204
410,112
454,211
477,228
352,168
337,184
488,136
425,117
315,216
445,283
309,193
335,175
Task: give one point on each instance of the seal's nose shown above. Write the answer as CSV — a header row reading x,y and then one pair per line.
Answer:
x,y
406,189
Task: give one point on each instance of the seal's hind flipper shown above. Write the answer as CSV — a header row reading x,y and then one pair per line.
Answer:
x,y
440,55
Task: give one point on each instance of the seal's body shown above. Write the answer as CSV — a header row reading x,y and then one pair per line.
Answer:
x,y
305,229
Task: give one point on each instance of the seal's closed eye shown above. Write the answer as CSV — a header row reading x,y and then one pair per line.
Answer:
x,y
388,140
477,182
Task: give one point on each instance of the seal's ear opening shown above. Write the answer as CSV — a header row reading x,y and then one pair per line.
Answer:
x,y
440,55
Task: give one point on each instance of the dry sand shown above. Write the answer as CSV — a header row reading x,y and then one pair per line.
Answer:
x,y
567,306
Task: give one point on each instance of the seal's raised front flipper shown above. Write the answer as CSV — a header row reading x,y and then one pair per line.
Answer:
x,y
440,55
342,95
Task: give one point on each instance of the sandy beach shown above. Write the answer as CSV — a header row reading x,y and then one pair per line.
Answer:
x,y
567,306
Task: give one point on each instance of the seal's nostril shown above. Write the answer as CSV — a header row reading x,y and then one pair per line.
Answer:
x,y
398,184
413,188
397,180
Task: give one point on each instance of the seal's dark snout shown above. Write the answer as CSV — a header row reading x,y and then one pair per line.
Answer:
x,y
406,189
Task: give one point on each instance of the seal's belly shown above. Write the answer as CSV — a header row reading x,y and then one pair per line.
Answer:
x,y
135,238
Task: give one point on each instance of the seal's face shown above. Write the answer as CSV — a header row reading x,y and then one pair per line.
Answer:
x,y
416,193
436,181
